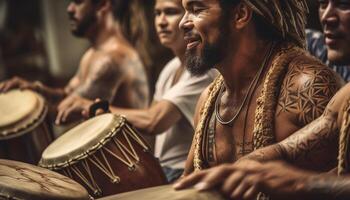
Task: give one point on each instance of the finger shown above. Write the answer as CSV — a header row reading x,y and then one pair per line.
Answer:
x,y
67,113
216,176
2,87
244,184
8,85
232,182
100,111
251,193
85,114
59,117
189,180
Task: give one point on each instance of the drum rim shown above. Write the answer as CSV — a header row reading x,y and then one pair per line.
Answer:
x,y
28,128
117,125
8,194
16,132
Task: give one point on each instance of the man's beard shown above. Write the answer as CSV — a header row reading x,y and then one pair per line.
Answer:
x,y
85,24
210,56
198,65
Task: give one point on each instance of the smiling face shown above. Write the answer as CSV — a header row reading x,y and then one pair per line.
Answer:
x,y
168,14
206,29
335,19
82,16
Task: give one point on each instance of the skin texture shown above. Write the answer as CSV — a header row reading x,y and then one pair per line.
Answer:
x,y
335,19
110,69
161,115
250,175
310,146
305,91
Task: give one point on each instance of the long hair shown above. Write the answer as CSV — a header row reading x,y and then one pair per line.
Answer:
x,y
132,18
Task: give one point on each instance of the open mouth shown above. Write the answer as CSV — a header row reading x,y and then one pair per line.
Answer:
x,y
192,42
332,38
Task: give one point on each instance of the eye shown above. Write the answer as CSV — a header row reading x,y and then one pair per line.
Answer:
x,y
172,11
197,9
157,12
323,4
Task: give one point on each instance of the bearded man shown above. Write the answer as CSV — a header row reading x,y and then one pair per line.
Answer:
x,y
269,85
111,69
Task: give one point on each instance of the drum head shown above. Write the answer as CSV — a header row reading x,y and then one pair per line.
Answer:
x,y
168,193
80,141
24,181
18,110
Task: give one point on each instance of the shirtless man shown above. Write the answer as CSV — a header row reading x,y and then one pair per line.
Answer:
x,y
269,88
308,146
110,69
170,117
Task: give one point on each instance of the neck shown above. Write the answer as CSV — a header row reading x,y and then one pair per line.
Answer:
x,y
107,29
180,53
242,65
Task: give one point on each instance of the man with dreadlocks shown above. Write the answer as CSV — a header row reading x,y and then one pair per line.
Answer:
x,y
111,68
269,86
309,146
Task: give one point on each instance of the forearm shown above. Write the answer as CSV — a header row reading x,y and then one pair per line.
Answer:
x,y
273,152
139,118
328,187
51,94
154,120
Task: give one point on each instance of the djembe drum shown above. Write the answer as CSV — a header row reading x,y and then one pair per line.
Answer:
x,y
168,193
105,155
23,130
21,181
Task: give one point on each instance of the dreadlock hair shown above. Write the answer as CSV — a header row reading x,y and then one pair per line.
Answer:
x,y
284,19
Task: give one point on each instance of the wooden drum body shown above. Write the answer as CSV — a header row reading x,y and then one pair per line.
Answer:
x,y
167,193
24,134
21,181
106,156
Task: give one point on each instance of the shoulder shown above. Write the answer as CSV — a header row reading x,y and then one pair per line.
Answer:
x,y
307,88
305,72
171,67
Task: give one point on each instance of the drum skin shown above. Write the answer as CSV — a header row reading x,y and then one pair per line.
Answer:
x,y
141,169
26,138
167,193
21,181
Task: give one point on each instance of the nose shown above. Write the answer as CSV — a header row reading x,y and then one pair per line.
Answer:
x,y
163,22
328,15
70,8
185,23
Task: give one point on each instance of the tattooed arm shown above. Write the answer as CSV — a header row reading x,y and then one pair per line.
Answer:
x,y
103,79
314,141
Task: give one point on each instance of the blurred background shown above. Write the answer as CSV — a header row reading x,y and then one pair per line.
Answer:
x,y
36,42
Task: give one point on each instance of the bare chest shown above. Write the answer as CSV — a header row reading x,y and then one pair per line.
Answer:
x,y
224,143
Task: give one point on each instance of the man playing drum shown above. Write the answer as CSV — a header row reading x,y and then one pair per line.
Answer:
x,y
269,86
170,116
309,146
110,69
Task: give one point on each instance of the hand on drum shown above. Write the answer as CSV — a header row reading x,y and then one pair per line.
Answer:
x,y
16,82
71,107
246,179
